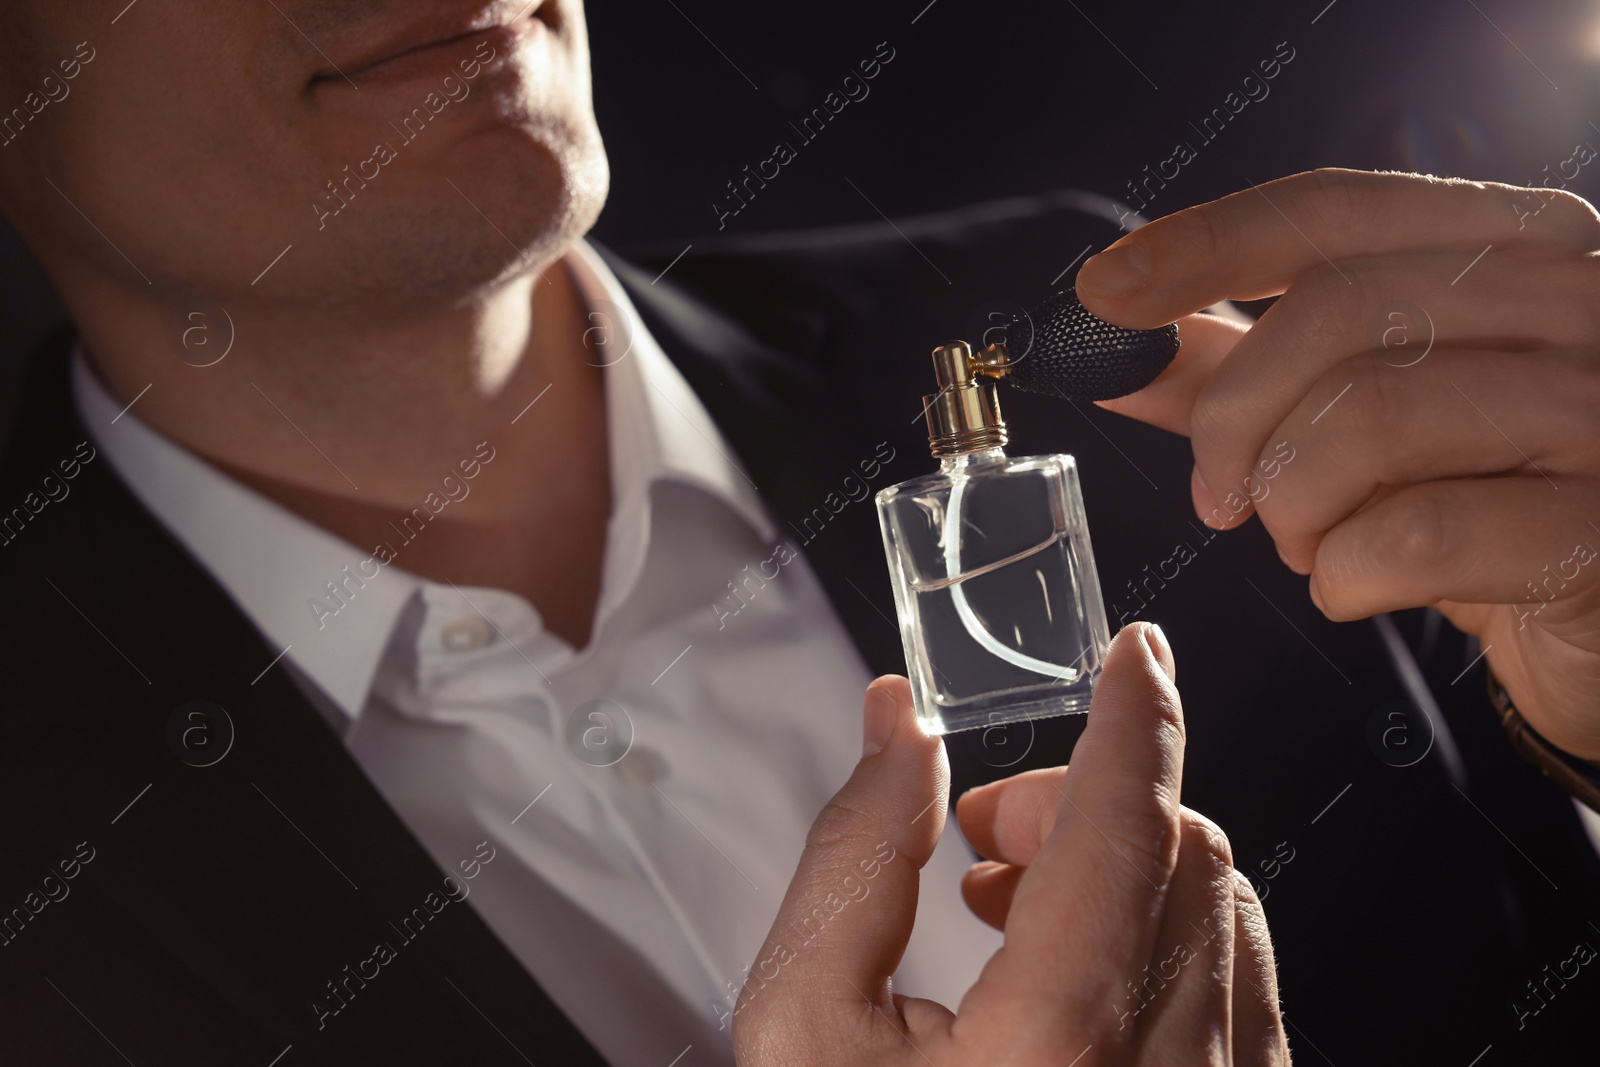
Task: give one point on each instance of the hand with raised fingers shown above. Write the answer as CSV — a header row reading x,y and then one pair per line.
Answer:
x,y
1129,937
1416,419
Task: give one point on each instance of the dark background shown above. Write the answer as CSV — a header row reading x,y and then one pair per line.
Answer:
x,y
986,100
990,100
994,100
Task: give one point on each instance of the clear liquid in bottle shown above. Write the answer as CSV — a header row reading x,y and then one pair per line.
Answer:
x,y
995,585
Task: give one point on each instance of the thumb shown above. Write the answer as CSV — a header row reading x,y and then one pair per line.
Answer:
x,y
847,915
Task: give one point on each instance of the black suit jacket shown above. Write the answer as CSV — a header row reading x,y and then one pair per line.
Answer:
x,y
222,901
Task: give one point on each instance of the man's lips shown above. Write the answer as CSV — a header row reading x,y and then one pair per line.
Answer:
x,y
436,30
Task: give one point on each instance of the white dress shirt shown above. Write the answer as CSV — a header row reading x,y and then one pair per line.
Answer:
x,y
637,891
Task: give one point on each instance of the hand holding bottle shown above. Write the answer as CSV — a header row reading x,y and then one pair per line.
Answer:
x,y
1129,936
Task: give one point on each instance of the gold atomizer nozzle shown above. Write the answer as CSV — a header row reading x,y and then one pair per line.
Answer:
x,y
992,362
964,415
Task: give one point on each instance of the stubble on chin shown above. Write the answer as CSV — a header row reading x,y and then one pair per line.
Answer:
x,y
482,217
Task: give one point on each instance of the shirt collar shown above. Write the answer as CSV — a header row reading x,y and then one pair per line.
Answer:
x,y
659,428
273,563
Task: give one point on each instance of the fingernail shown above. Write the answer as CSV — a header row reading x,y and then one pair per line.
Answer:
x,y
1205,501
1116,271
978,790
1161,650
877,720
1316,594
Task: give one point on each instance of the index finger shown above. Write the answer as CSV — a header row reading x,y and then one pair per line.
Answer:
x,y
1254,243
1085,915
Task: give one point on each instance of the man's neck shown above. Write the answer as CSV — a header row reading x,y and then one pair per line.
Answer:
x,y
353,426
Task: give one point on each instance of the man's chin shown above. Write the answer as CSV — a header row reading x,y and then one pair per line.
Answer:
x,y
489,212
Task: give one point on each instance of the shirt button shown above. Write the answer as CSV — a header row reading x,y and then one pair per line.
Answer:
x,y
643,766
465,634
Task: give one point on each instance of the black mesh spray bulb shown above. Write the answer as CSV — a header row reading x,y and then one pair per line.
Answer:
x,y
1061,349
1058,349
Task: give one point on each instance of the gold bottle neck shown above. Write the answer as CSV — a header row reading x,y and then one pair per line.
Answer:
x,y
964,415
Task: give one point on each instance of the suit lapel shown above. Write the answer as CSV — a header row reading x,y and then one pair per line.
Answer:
x,y
813,449
250,896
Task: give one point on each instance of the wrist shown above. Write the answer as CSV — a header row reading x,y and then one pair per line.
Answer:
x,y
1577,776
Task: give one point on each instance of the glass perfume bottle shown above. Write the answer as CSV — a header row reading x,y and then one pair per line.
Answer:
x,y
994,578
